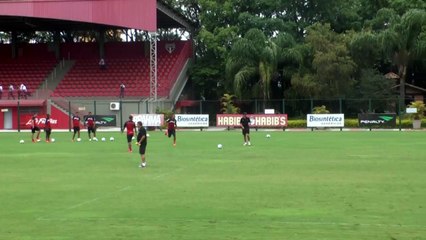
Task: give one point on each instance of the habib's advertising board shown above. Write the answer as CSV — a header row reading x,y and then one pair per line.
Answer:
x,y
377,120
257,120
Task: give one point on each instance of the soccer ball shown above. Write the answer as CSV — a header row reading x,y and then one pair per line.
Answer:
x,y
111,139
268,136
147,135
95,139
52,140
22,141
78,139
103,139
219,146
90,139
133,138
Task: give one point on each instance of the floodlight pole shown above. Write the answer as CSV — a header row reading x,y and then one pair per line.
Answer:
x,y
153,66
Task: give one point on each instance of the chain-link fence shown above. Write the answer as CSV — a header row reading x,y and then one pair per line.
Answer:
x,y
296,109
299,108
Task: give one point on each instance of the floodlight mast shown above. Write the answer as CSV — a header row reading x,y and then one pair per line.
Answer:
x,y
153,83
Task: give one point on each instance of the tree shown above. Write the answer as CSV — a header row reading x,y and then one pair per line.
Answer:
x,y
331,71
254,62
404,41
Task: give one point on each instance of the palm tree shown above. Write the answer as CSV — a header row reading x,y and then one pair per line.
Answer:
x,y
405,41
254,60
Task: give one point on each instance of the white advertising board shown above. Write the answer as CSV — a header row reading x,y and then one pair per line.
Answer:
x,y
149,120
192,120
325,120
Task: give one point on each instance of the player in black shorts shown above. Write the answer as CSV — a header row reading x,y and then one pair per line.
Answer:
x,y
142,142
245,121
171,128
35,128
76,126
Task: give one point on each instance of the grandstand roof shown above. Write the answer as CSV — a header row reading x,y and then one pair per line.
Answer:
x,y
31,15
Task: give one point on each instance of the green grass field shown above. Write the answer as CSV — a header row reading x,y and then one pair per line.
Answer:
x,y
295,185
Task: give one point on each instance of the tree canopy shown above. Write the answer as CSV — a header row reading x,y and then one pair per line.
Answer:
x,y
269,49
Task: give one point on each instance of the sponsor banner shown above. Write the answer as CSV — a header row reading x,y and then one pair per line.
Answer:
x,y
149,120
257,120
325,120
192,120
58,119
40,120
377,120
103,120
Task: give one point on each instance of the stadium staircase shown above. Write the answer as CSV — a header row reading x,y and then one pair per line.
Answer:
x,y
126,63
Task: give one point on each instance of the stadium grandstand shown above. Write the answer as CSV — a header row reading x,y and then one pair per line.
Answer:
x,y
61,71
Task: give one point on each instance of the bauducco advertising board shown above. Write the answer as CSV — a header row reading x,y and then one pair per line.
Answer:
x,y
257,120
377,120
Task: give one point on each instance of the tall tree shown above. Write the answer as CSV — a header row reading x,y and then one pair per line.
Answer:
x,y
331,70
254,61
404,41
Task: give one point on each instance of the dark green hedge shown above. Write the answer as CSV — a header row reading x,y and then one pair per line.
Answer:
x,y
353,123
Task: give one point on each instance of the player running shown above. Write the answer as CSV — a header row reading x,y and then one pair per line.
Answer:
x,y
47,128
130,127
91,126
142,142
171,128
76,126
35,128
245,121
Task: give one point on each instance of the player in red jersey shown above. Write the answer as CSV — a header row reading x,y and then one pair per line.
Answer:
x,y
130,127
91,126
47,128
76,126
35,128
171,128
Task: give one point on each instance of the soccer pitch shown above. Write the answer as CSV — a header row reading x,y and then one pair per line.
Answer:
x,y
294,185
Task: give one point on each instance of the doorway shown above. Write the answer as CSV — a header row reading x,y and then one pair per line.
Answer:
x,y
8,120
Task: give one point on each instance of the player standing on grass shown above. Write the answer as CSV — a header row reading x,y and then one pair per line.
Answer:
x,y
130,127
35,128
76,125
91,127
245,121
142,142
171,128
47,128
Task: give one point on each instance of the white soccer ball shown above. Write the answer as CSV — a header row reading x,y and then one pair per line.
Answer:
x,y
111,139
52,140
78,139
219,146
22,141
90,139
133,138
103,139
147,135
268,136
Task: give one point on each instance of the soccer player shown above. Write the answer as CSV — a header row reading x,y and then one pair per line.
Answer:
x,y
171,128
91,126
245,121
47,128
76,125
130,127
35,128
142,142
